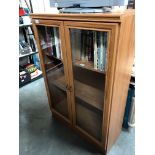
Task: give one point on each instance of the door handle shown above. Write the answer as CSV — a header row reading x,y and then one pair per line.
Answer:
x,y
66,86
69,88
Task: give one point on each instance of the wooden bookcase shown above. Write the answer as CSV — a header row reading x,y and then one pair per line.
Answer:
x,y
87,61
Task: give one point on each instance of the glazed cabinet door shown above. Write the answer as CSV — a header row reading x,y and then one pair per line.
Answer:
x,y
89,46
50,39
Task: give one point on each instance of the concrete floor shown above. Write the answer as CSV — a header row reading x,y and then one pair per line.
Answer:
x,y
40,134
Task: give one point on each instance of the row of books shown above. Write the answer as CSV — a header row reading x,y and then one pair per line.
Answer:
x,y
90,46
50,41
100,50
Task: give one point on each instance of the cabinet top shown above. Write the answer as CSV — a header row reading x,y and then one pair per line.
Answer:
x,y
108,17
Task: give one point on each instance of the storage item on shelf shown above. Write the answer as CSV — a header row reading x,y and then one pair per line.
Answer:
x,y
21,20
28,73
36,61
33,70
24,76
24,48
30,38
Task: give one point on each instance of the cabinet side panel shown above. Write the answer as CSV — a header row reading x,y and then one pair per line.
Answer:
x,y
122,74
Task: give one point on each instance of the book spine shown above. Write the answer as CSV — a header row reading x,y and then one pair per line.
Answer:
x,y
105,49
87,45
33,44
78,44
73,44
101,65
95,50
90,47
98,49
83,45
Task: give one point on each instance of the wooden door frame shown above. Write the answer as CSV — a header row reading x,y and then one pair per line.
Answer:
x,y
112,28
59,24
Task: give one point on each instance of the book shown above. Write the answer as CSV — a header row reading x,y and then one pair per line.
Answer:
x,y
33,70
36,60
95,50
83,40
76,44
105,49
87,44
98,50
101,52
32,41
90,46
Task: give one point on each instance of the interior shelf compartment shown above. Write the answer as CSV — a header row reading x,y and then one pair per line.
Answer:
x,y
89,94
57,90
87,65
57,77
89,119
59,100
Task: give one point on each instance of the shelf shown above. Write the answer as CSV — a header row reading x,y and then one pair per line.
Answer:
x,y
47,54
57,58
87,65
25,55
87,93
25,25
51,66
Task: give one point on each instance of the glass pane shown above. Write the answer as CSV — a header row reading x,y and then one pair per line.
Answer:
x,y
88,118
89,56
53,62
